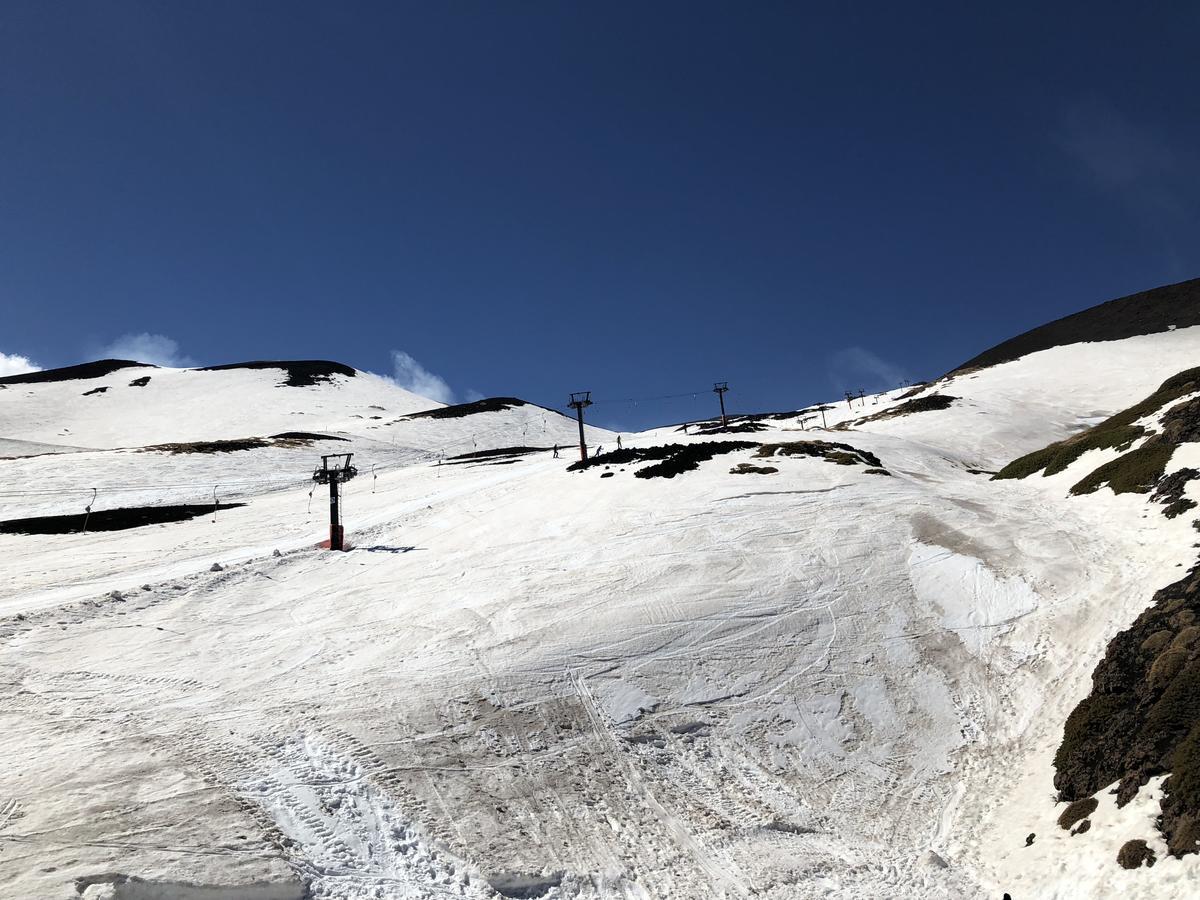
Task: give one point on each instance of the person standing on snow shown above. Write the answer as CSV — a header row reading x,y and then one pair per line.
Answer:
x,y
556,451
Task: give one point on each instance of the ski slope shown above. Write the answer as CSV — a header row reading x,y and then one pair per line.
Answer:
x,y
525,681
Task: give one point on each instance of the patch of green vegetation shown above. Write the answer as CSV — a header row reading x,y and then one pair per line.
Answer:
x,y
1135,472
1117,431
1053,459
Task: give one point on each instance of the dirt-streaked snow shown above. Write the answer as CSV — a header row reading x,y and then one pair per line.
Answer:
x,y
529,682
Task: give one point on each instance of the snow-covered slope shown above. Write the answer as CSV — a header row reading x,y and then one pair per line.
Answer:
x,y
136,406
795,670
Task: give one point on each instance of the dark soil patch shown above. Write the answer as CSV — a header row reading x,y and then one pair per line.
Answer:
x,y
672,459
97,369
1148,312
458,410
1077,812
1133,853
830,451
1142,718
111,519
300,372
99,390
140,382
907,408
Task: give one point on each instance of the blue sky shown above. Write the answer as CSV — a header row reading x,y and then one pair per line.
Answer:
x,y
632,198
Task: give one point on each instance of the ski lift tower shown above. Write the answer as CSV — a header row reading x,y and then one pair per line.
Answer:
x,y
719,388
580,400
335,469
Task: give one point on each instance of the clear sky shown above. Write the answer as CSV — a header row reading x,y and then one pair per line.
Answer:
x,y
636,198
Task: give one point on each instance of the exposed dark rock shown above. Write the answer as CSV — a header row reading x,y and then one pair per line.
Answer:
x,y
731,428
1142,718
300,372
227,446
140,382
110,519
674,459
499,452
489,404
913,391
908,407
97,369
1148,312
306,436
234,445
750,469
99,390
830,451
1169,491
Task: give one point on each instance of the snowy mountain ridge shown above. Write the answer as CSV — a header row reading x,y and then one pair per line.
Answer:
x,y
782,662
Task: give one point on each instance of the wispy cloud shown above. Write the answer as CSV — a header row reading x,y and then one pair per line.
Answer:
x,y
13,364
412,376
857,368
156,349
1157,182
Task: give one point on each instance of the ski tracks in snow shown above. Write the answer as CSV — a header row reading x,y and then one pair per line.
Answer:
x,y
346,832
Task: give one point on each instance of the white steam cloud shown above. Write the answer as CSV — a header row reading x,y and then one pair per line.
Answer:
x,y
857,368
412,376
12,364
156,349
